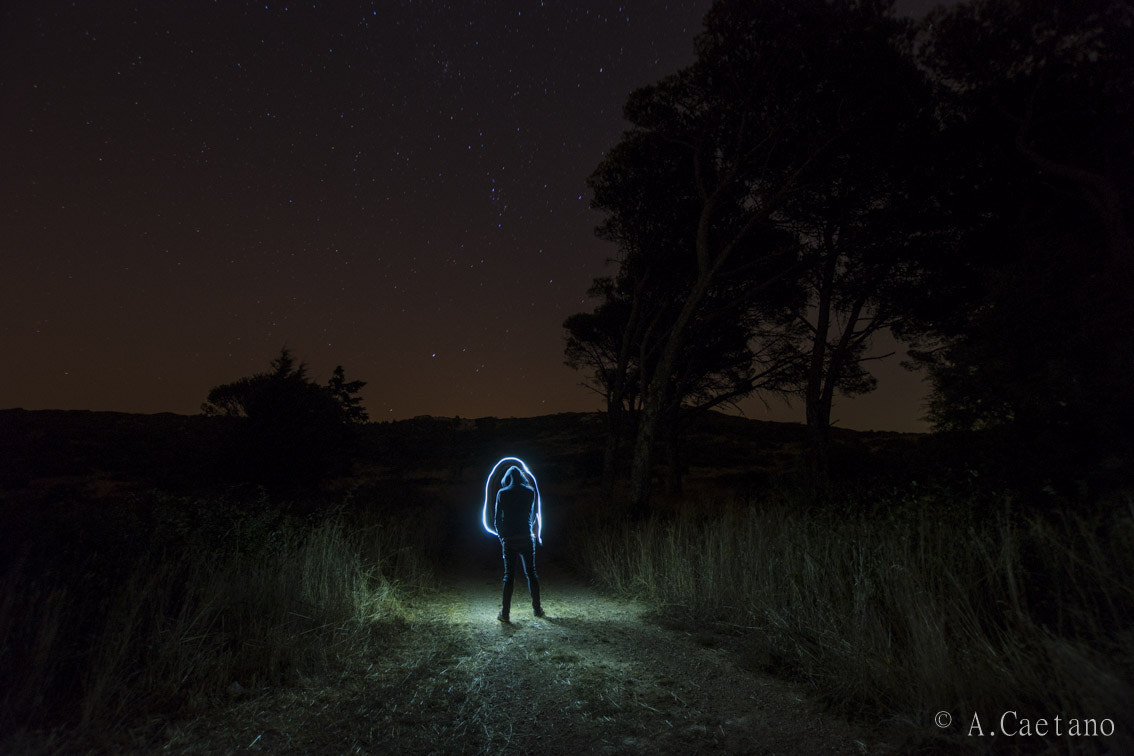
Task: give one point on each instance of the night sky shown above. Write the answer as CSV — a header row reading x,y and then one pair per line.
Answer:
x,y
396,186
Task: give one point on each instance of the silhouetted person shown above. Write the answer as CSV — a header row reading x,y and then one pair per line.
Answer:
x,y
515,523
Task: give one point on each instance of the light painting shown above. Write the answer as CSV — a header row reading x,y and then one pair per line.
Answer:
x,y
535,484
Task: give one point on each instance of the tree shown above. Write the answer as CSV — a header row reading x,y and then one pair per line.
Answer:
x,y
778,89
345,392
1038,102
731,356
290,430
620,343
601,342
868,227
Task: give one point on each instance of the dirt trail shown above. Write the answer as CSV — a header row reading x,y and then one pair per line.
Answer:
x,y
592,676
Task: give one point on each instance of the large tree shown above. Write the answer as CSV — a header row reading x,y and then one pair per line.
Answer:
x,y
621,343
1038,101
778,90
743,345
868,227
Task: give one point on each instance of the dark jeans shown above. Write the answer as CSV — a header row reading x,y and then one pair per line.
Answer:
x,y
520,550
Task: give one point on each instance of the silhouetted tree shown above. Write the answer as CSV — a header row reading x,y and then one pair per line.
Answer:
x,y
601,343
868,226
778,91
345,392
741,349
291,431
724,357
1037,102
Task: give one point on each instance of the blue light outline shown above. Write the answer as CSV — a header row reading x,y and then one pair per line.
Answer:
x,y
539,502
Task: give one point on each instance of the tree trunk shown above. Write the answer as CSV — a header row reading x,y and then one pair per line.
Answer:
x,y
642,469
819,415
657,395
610,453
672,431
617,414
658,390
819,442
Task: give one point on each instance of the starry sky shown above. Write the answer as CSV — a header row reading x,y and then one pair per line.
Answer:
x,y
397,186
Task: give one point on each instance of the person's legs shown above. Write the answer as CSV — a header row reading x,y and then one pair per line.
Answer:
x,y
528,563
509,580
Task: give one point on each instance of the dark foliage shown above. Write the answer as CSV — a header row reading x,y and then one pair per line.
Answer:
x,y
965,184
1029,336
769,211
291,432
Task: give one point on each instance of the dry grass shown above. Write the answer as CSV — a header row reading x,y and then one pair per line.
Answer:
x,y
900,616
186,623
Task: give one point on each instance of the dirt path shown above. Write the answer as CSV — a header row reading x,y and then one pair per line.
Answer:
x,y
592,676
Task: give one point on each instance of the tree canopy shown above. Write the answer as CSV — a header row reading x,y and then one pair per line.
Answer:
x,y
290,430
713,198
1036,102
825,171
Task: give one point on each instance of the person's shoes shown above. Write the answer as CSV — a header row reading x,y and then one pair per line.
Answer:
x,y
503,617
538,611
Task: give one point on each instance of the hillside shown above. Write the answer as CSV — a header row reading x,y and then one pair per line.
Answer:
x,y
99,452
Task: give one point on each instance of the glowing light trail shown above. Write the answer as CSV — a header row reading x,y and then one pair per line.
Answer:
x,y
535,483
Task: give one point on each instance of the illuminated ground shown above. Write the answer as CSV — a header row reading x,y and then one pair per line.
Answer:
x,y
593,676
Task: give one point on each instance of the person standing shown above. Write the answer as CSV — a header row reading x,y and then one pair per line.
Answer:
x,y
515,521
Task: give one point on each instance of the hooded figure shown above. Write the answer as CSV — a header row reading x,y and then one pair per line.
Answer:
x,y
515,520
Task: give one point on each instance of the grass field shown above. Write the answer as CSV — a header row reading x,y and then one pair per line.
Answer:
x,y
224,597
911,608
136,618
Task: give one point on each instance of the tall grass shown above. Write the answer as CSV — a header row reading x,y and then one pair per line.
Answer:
x,y
904,614
192,621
